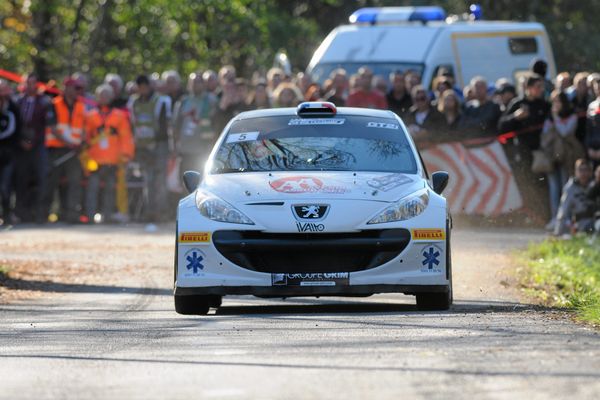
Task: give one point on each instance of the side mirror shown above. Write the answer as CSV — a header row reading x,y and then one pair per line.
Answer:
x,y
440,181
191,180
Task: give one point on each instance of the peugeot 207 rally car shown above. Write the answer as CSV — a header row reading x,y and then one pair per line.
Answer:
x,y
313,201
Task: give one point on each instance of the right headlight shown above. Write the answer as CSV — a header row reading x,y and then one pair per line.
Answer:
x,y
405,208
216,209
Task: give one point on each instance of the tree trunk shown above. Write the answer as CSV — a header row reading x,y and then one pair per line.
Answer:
x,y
43,38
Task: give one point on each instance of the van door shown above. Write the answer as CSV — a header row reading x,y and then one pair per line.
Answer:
x,y
495,55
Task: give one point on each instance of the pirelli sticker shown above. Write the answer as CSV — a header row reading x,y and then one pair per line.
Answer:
x,y
194,237
428,234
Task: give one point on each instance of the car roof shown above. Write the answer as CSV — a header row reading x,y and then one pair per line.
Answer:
x,y
291,112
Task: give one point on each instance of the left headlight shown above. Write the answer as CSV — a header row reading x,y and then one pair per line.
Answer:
x,y
216,209
406,208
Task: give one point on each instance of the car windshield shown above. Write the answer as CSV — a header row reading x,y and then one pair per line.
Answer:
x,y
322,71
290,143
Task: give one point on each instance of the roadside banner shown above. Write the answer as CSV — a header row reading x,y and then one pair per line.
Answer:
x,y
481,180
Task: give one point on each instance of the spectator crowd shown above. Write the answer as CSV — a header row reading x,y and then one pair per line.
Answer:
x,y
112,155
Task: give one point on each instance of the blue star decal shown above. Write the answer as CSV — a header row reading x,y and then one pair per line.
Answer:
x,y
195,262
431,257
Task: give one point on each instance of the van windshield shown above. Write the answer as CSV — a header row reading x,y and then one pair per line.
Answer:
x,y
290,143
322,71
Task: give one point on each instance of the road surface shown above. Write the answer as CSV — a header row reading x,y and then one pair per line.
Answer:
x,y
107,329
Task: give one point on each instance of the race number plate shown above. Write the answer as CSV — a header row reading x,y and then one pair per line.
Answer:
x,y
311,279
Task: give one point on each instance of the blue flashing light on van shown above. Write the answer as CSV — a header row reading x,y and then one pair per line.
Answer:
x,y
373,15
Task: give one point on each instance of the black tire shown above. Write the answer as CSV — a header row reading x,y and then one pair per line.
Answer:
x,y
192,305
439,301
215,301
434,301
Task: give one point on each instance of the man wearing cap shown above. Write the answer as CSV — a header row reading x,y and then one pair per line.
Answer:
x,y
504,94
66,120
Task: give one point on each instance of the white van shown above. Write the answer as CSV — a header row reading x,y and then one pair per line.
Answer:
x,y
424,39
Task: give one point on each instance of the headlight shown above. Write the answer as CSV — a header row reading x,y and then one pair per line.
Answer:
x,y
404,209
216,209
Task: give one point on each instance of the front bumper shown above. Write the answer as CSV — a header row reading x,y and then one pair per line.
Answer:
x,y
273,291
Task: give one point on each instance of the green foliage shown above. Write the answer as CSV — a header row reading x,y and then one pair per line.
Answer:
x,y
56,37
3,271
566,273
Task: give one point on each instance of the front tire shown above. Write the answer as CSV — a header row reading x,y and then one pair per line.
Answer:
x,y
195,304
434,301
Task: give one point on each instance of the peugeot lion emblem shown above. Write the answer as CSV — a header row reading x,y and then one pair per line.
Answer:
x,y
310,212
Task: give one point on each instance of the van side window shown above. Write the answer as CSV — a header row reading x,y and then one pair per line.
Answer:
x,y
523,45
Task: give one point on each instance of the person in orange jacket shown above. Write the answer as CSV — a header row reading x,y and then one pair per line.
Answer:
x,y
64,134
109,142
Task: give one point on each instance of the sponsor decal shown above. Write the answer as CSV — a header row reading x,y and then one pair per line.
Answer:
x,y
194,261
297,184
431,258
317,121
242,137
389,182
305,184
383,125
311,279
194,237
314,212
309,227
428,234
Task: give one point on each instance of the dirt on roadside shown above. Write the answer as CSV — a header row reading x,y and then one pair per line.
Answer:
x,y
46,262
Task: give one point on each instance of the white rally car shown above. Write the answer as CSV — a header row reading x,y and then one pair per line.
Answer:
x,y
313,201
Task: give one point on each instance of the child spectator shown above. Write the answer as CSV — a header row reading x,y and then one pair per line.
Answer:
x,y
576,210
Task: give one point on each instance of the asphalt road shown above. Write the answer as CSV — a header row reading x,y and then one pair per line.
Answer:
x,y
114,333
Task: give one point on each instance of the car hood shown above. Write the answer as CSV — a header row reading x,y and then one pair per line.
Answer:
x,y
251,187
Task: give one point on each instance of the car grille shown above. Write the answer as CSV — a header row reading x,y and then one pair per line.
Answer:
x,y
316,252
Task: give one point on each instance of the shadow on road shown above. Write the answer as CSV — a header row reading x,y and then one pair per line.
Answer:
x,y
49,286
466,371
370,307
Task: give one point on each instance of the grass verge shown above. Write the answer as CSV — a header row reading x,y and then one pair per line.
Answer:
x,y
565,273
